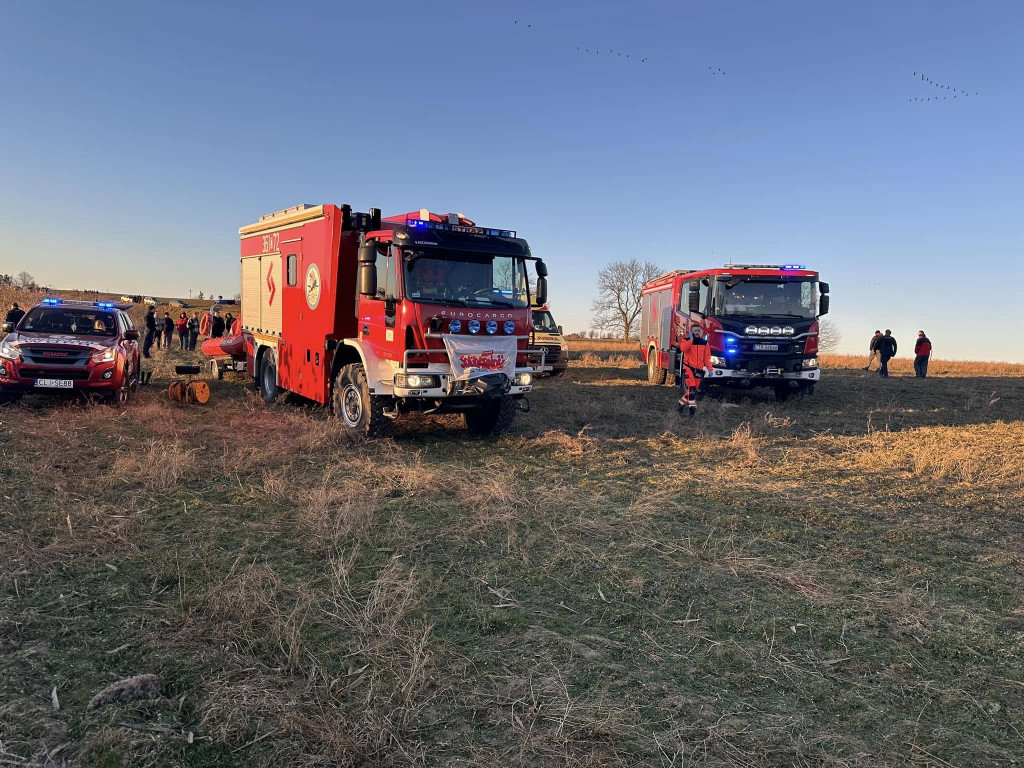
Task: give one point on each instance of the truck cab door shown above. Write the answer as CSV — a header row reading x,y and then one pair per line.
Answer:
x,y
378,314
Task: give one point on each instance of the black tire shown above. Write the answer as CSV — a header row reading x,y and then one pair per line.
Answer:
x,y
782,392
491,419
655,375
267,380
359,412
559,373
10,398
807,389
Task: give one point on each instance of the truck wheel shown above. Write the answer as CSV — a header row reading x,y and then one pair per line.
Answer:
x,y
9,397
268,379
216,371
655,375
807,389
352,404
782,392
493,418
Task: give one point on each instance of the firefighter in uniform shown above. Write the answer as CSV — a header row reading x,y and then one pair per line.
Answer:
x,y
695,362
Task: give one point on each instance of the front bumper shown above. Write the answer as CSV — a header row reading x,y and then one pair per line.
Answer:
x,y
17,377
763,377
450,388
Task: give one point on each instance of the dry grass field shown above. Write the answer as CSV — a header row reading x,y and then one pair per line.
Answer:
x,y
836,580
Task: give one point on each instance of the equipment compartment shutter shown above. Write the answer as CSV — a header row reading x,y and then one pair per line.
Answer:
x,y
272,293
251,293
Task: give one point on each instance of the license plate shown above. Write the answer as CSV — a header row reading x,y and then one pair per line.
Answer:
x,y
766,347
54,383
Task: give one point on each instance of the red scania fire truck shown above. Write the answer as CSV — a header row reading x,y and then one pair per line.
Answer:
x,y
761,321
378,317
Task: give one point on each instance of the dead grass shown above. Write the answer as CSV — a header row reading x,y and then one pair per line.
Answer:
x,y
826,581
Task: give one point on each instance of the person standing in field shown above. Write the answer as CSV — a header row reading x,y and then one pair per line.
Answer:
x,y
168,330
873,349
182,326
886,347
217,328
147,343
695,362
14,314
922,351
193,331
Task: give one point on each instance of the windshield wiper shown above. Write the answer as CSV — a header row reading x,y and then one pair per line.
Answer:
x,y
493,300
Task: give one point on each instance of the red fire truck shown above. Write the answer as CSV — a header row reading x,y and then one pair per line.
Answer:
x,y
761,321
379,317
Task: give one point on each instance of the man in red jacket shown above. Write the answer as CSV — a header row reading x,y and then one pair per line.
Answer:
x,y
695,362
922,351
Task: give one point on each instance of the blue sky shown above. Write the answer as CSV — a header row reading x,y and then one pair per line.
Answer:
x,y
135,138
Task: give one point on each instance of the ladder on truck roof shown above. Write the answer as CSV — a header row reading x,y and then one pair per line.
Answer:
x,y
673,273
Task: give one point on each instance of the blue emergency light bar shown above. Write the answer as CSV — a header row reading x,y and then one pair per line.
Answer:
x,y
793,266
421,224
53,301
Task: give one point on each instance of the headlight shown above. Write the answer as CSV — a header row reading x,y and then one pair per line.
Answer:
x,y
811,362
415,381
474,326
510,327
719,361
492,326
10,351
104,355
788,330
750,330
455,326
524,379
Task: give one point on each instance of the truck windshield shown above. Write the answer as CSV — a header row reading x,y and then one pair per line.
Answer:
x,y
543,322
465,279
766,298
69,322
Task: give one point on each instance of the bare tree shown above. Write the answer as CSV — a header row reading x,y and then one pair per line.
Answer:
x,y
828,336
619,285
25,281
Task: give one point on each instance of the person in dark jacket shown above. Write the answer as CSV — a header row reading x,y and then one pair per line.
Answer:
x,y
873,349
151,332
14,314
168,330
193,331
217,328
887,350
922,351
229,321
181,324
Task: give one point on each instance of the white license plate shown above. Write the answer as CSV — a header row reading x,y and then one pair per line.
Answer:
x,y
766,347
54,383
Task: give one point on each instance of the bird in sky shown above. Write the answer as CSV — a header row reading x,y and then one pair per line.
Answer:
x,y
644,59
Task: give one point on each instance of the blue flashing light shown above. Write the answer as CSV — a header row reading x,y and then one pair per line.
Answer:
x,y
421,224
731,351
104,304
793,266
510,327
474,326
52,301
455,326
492,326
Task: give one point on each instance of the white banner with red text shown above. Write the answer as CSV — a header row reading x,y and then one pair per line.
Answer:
x,y
473,357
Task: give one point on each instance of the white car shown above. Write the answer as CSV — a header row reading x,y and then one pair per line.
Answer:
x,y
149,300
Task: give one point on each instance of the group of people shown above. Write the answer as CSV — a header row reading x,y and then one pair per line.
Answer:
x,y
883,346
161,330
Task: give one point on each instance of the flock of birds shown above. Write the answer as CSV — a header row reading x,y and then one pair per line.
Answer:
x,y
943,87
716,71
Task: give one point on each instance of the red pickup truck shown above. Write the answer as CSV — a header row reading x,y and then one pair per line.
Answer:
x,y
70,347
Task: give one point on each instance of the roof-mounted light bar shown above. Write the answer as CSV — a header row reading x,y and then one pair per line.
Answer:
x,y
54,301
765,266
421,224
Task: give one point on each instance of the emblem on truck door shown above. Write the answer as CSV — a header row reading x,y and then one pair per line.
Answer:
x,y
271,286
312,286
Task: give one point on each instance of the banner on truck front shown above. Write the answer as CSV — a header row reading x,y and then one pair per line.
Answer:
x,y
476,356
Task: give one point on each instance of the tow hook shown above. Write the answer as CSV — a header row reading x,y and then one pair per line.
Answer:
x,y
523,404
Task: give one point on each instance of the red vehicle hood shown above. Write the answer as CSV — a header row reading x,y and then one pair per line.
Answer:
x,y
95,343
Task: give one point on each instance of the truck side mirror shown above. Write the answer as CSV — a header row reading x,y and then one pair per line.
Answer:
x,y
823,287
542,268
694,305
542,290
823,305
7,327
368,269
131,335
559,330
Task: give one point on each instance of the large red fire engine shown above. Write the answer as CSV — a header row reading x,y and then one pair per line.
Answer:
x,y
417,312
761,322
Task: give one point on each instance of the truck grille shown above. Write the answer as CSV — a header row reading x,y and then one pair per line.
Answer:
x,y
552,353
56,356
